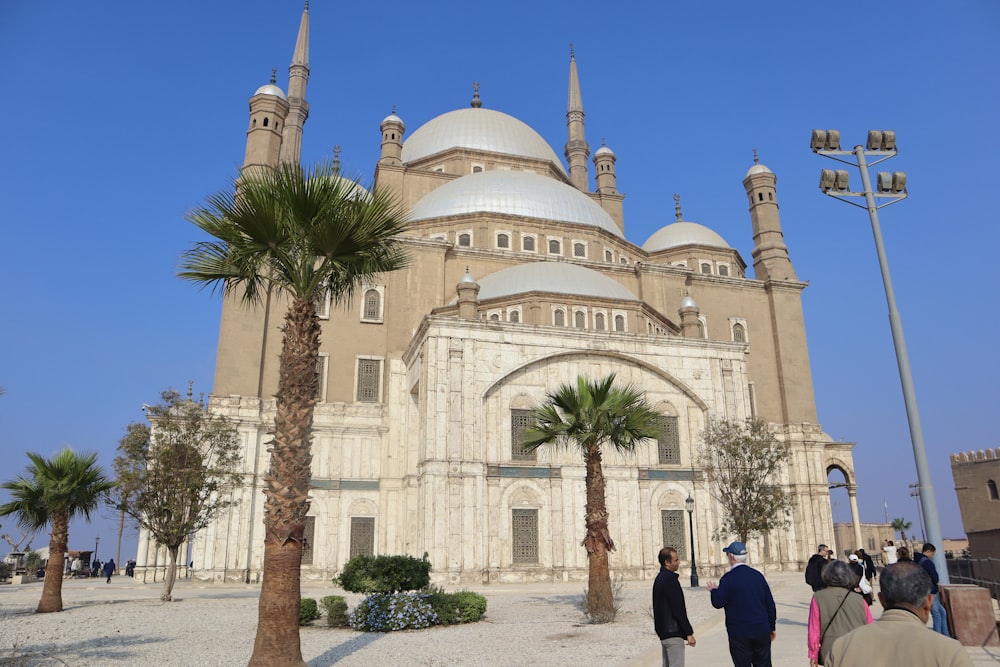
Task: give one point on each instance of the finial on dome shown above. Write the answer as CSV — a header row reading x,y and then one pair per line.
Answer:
x,y
476,102
336,157
467,278
572,53
603,142
393,109
756,158
274,75
677,207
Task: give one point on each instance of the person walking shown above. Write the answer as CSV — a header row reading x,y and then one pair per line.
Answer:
x,y
889,557
939,617
109,569
669,610
814,568
899,636
750,612
834,611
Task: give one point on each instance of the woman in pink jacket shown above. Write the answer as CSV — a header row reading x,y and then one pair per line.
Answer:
x,y
835,610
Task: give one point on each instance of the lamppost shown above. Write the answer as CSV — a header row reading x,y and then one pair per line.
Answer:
x,y
689,505
97,540
915,492
891,188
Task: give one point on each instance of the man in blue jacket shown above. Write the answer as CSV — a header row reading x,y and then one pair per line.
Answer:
x,y
669,611
750,613
939,616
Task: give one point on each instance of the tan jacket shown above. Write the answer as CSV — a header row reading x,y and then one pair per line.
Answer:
x,y
898,638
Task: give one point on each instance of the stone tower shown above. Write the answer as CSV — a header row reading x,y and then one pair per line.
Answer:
x,y
298,108
268,111
770,254
577,150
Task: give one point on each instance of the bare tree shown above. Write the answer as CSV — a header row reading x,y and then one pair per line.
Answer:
x,y
743,463
174,474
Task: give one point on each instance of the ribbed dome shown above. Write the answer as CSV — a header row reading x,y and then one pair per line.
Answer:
x,y
758,169
557,277
683,233
478,129
393,118
514,193
271,89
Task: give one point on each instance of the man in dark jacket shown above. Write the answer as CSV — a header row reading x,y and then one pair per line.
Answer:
x,y
814,568
750,612
669,611
939,616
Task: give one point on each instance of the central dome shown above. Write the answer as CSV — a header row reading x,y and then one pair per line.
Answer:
x,y
682,233
520,193
478,129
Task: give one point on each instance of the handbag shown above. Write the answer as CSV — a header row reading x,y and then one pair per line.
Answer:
x,y
864,584
828,624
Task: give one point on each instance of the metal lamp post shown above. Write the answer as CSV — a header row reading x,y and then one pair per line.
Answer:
x,y
689,505
891,188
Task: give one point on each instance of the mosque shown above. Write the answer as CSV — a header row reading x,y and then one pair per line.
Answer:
x,y
521,278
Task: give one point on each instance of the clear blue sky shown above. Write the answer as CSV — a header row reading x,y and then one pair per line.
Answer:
x,y
120,116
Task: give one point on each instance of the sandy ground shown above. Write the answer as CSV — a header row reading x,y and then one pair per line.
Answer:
x,y
124,623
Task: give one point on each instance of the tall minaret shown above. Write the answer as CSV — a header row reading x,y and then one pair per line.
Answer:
x,y
577,150
298,108
770,254
268,112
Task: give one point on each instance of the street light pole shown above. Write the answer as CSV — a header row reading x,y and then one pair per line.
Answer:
x,y
882,145
689,505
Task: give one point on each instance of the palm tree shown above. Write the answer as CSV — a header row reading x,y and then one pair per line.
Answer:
x,y
589,415
301,234
901,525
56,491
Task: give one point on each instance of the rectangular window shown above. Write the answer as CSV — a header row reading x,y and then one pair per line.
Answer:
x,y
524,526
362,536
308,539
669,444
519,420
673,531
322,371
369,371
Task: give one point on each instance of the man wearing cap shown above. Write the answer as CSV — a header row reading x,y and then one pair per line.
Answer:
x,y
669,611
750,613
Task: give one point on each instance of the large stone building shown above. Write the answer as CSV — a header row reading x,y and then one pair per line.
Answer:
x,y
522,277
976,476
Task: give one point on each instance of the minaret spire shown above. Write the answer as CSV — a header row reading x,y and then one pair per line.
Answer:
x,y
298,77
577,150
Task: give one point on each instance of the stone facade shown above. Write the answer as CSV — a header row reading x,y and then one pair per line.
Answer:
x,y
977,476
520,279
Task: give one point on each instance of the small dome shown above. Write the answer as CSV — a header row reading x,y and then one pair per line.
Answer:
x,y
604,150
393,118
467,278
478,129
520,193
270,89
682,233
556,277
758,169
688,302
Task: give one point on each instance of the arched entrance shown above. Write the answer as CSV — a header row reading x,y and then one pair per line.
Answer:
x,y
844,507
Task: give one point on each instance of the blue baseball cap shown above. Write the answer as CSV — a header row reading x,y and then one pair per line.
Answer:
x,y
736,549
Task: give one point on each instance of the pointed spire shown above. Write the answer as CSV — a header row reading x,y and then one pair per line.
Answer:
x,y
274,75
577,151
393,109
677,207
336,158
756,158
575,100
476,102
298,78
301,55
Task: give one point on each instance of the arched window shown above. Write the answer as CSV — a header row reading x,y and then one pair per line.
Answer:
x,y
619,323
580,319
265,121
579,250
495,317
503,241
599,321
624,260
739,333
553,247
514,316
706,268
465,240
609,256
559,318
992,486
528,243
723,270
476,169
372,304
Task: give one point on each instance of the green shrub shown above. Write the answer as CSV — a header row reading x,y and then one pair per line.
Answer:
x,y
460,607
336,610
385,612
5,570
308,611
385,574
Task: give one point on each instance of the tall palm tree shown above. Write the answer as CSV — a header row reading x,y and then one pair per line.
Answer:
x,y
55,491
300,234
901,525
589,415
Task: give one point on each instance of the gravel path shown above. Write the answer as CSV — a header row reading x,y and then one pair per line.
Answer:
x,y
126,624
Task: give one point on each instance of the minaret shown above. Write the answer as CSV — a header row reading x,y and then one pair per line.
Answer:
x,y
770,254
577,150
298,108
392,139
604,165
268,110
468,297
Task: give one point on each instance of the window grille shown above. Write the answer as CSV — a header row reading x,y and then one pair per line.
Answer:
x,y
739,333
579,250
308,539
362,536
553,247
528,243
372,302
580,319
669,444
524,526
464,240
503,241
519,420
559,319
673,531
368,379
599,321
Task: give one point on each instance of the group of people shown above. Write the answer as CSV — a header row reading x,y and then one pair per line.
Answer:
x,y
841,628
97,568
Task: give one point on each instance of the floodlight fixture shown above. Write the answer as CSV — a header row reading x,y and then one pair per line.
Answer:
x,y
899,181
825,140
884,181
827,179
842,179
881,140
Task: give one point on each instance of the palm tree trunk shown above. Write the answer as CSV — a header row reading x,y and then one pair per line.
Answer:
x,y
52,586
171,575
598,542
286,491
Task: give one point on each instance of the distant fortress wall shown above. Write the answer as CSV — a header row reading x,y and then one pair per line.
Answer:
x,y
977,476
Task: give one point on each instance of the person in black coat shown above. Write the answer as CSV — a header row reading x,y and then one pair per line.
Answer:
x,y
669,610
109,569
814,568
